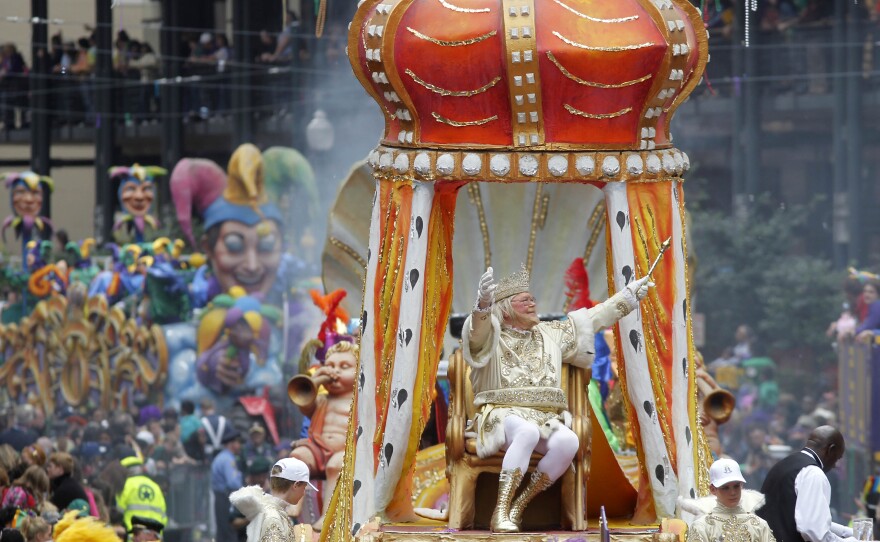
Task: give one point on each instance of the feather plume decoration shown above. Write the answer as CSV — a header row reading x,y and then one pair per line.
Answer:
x,y
577,285
87,529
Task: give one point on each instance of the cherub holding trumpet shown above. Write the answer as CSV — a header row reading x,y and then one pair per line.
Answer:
x,y
328,412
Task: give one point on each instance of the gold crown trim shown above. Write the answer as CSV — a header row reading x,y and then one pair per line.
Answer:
x,y
511,285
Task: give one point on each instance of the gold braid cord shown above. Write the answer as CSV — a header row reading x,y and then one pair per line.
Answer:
x,y
321,19
337,521
702,452
338,510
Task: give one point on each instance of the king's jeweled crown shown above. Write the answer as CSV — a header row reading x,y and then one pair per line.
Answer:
x,y
511,285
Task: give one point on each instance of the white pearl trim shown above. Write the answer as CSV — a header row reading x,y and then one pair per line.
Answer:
x,y
471,164
445,164
401,163
634,164
560,166
499,164
528,165
557,165
610,166
585,165
422,163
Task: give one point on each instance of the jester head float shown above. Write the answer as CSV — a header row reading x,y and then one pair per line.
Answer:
x,y
242,229
135,194
235,327
27,190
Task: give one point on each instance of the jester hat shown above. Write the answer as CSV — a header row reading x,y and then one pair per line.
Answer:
x,y
81,252
284,168
240,195
227,309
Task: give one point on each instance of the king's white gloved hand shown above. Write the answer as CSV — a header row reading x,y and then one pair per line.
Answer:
x,y
639,288
486,290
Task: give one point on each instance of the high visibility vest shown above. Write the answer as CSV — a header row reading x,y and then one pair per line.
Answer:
x,y
142,497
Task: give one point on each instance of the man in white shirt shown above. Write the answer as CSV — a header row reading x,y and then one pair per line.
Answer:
x,y
799,495
267,512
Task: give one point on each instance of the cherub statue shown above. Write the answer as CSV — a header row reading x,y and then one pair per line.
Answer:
x,y
328,413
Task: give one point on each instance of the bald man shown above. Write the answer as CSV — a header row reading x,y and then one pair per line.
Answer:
x,y
798,493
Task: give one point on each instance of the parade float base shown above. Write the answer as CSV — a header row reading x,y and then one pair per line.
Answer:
x,y
432,531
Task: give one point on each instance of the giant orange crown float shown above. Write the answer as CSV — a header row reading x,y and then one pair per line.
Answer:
x,y
542,91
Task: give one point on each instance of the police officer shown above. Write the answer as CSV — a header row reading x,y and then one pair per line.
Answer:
x,y
140,496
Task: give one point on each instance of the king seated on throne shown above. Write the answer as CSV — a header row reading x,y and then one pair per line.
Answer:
x,y
516,363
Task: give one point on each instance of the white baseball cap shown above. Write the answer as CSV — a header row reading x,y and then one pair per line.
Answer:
x,y
724,471
146,437
292,469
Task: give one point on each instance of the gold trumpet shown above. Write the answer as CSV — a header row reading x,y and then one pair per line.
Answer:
x,y
718,403
302,389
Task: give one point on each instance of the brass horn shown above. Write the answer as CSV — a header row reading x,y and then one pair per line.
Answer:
x,y
303,389
718,403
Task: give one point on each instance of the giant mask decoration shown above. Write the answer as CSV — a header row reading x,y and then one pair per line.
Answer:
x,y
242,236
26,193
135,194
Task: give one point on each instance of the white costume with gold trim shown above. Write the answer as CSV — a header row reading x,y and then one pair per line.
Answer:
x,y
268,517
718,523
515,372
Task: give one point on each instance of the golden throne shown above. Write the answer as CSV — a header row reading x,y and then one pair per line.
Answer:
x,y
473,482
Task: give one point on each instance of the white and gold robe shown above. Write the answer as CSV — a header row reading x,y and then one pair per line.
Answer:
x,y
717,523
516,372
267,517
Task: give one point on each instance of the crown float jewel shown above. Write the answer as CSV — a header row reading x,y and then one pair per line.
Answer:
x,y
511,285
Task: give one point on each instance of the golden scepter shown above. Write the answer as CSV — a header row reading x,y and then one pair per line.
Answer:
x,y
663,248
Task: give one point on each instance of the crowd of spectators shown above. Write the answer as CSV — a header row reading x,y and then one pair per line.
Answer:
x,y
82,463
792,40
770,421
772,16
288,62
283,64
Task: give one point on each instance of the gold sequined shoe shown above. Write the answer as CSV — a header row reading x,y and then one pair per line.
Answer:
x,y
537,483
508,481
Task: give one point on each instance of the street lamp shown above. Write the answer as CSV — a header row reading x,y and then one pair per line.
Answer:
x,y
319,132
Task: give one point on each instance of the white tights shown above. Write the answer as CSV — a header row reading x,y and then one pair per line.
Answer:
x,y
521,438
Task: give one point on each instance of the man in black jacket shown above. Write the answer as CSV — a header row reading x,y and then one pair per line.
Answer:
x,y
798,493
64,488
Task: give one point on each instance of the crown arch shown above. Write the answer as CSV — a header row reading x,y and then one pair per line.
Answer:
x,y
498,115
